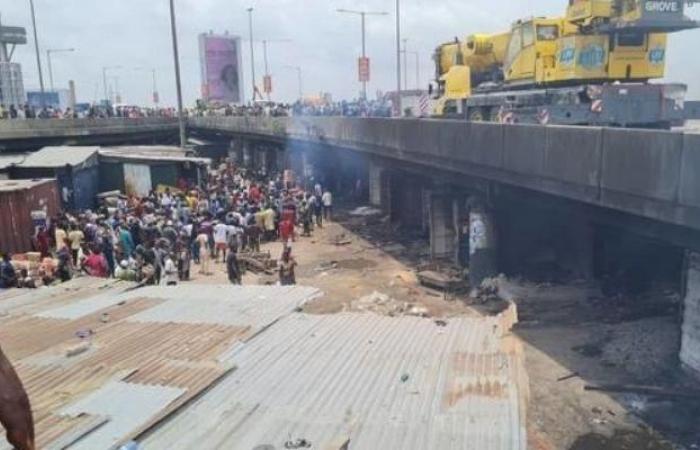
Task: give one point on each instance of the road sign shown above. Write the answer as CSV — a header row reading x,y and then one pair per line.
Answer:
x,y
363,69
267,84
13,35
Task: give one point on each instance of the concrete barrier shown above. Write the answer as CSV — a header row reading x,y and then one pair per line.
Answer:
x,y
572,155
523,148
484,145
642,163
689,193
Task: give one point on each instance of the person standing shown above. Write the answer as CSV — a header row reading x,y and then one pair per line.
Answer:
x,y
170,274
233,269
286,269
8,276
204,255
221,238
42,241
327,200
60,236
76,238
126,241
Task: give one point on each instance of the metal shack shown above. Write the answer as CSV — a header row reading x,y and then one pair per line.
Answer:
x,y
23,204
75,168
136,170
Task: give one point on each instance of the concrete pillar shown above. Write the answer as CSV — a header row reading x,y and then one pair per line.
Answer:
x,y
262,160
442,232
482,246
281,160
690,340
247,154
375,184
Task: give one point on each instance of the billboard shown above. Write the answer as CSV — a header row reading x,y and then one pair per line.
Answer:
x,y
220,60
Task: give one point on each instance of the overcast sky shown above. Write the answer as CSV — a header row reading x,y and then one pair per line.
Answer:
x,y
135,33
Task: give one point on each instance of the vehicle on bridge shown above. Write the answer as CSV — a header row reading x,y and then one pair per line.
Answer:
x,y
590,67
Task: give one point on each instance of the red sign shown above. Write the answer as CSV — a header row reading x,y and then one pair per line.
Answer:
x,y
363,69
267,84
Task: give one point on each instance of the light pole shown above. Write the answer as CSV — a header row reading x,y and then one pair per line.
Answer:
x,y
267,67
252,51
155,84
299,80
398,57
363,15
48,59
417,55
405,64
104,80
38,53
176,57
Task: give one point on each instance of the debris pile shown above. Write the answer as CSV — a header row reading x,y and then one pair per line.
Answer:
x,y
258,262
365,211
380,303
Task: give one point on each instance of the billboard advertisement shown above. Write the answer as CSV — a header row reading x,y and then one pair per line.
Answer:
x,y
220,60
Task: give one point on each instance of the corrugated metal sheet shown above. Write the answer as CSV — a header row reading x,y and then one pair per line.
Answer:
x,y
253,306
128,406
18,198
6,160
176,353
381,382
57,157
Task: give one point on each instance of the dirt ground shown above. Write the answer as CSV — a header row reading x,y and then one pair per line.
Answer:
x,y
572,335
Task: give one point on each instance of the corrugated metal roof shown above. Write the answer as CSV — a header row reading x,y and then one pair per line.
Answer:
x,y
6,160
128,406
39,329
381,382
19,185
53,157
119,155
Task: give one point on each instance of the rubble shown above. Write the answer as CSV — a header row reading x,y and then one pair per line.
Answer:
x,y
365,211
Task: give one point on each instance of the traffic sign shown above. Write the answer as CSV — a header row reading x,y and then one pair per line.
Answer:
x,y
363,68
13,35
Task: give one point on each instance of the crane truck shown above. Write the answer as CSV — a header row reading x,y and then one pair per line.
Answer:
x,y
591,67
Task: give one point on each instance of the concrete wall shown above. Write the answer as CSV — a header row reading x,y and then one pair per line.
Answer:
x,y
690,343
647,173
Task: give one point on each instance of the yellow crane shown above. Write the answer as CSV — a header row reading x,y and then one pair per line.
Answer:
x,y
591,66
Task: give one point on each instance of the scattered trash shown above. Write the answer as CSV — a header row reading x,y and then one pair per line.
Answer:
x,y
441,323
365,211
299,443
404,378
420,311
104,318
568,377
78,349
84,334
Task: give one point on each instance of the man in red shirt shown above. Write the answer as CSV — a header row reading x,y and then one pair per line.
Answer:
x,y
96,264
286,230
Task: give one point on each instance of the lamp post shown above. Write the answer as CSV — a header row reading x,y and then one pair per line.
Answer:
x,y
299,80
48,59
38,53
252,51
104,80
267,67
417,55
405,64
363,15
398,57
176,57
155,84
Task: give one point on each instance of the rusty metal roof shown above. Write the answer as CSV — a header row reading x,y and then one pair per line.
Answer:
x,y
379,382
39,329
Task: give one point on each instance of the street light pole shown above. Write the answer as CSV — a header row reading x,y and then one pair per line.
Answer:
x,y
398,57
38,53
252,51
176,57
48,58
363,15
405,64
417,55
104,80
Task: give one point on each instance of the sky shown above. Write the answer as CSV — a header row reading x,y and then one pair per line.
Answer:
x,y
135,34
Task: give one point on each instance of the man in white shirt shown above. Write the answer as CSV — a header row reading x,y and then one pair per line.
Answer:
x,y
169,276
327,200
221,231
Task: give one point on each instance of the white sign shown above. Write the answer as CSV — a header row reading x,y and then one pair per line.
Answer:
x,y
662,6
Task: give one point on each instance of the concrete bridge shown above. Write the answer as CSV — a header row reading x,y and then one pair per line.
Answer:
x,y
16,135
650,174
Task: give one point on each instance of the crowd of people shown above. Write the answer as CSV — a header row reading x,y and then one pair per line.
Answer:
x,y
160,238
314,107
14,112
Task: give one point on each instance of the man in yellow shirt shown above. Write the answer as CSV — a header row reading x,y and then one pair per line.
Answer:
x,y
76,238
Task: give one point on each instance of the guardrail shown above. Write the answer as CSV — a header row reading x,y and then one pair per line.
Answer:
x,y
649,173
49,128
